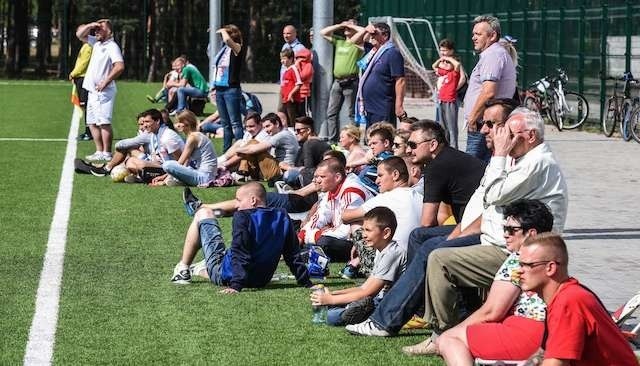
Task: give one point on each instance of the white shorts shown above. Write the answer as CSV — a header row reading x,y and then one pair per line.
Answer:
x,y
100,107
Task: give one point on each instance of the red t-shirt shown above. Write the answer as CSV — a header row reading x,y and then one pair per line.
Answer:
x,y
581,330
290,79
447,92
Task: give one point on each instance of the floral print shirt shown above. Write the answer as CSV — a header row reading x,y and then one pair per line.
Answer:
x,y
529,304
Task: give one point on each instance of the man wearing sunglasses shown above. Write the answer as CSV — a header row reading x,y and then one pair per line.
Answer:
x,y
579,330
309,155
510,323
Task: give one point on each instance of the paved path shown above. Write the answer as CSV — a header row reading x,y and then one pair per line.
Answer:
x,y
603,223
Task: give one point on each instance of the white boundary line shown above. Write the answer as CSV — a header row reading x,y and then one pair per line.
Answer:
x,y
34,83
39,349
29,139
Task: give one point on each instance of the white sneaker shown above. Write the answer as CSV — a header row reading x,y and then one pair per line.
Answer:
x,y
197,268
96,156
181,276
106,156
367,328
239,178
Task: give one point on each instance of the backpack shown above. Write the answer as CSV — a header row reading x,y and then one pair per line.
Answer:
x,y
250,102
460,93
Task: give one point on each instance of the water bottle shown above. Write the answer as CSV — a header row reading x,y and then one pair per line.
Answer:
x,y
319,311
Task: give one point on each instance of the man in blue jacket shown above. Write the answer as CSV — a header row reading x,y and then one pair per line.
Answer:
x,y
260,236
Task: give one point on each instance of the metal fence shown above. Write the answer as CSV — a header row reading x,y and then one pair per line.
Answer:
x,y
589,39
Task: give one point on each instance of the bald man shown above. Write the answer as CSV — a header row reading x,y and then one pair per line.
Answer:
x,y
260,235
290,36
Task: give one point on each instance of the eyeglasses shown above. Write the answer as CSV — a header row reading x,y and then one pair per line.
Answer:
x,y
491,123
301,130
414,145
531,265
397,145
511,229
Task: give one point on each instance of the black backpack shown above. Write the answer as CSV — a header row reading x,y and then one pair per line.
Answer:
x,y
250,102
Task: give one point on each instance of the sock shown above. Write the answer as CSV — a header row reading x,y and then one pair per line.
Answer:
x,y
221,160
181,266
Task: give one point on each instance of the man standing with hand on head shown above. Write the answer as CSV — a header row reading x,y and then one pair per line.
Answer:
x,y
105,66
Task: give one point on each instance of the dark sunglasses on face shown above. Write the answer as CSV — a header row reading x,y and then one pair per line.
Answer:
x,y
511,229
396,145
301,130
531,265
414,145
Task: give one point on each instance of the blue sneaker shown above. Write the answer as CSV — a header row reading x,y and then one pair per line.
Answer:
x,y
349,272
190,201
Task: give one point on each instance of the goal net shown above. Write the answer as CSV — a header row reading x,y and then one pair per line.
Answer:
x,y
420,78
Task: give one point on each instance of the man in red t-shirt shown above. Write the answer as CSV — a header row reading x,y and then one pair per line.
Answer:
x,y
579,328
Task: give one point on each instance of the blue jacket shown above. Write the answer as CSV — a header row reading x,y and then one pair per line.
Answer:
x,y
260,236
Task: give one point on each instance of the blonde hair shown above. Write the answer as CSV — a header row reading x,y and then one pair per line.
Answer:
x,y
189,119
352,131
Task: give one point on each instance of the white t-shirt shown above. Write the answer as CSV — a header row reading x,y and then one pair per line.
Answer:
x,y
406,204
261,136
169,140
103,56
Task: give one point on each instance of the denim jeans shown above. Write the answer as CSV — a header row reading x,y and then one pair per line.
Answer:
x,y
210,127
334,314
187,91
292,177
228,103
339,96
187,175
407,295
213,249
477,146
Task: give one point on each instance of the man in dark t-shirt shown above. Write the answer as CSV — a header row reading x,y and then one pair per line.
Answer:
x,y
309,155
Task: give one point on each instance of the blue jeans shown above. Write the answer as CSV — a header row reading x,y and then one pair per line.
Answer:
x,y
477,146
187,91
407,295
213,249
292,177
210,127
228,103
334,314
187,175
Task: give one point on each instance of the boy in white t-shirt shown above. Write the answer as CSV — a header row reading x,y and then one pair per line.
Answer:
x,y
355,304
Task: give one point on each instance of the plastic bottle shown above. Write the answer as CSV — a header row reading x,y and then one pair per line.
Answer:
x,y
319,311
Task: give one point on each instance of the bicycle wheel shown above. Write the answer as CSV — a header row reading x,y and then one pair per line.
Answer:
x,y
634,124
624,121
575,110
531,103
552,105
609,117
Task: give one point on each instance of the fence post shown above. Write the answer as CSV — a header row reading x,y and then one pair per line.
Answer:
x,y
525,44
603,55
543,37
581,48
628,31
561,38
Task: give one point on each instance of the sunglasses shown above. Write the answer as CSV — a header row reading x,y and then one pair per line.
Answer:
x,y
512,229
414,145
491,123
301,130
396,145
531,265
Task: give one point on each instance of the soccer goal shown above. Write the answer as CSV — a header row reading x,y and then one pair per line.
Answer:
x,y
420,78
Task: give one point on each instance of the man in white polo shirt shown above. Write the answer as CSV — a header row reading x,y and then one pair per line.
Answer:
x,y
105,66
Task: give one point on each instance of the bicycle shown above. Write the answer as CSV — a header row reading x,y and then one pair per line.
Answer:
x,y
620,109
566,109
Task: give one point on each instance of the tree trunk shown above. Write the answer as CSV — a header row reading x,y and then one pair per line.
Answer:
x,y
43,51
17,38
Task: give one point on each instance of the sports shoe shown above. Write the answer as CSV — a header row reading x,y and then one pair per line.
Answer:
x,y
99,171
96,156
197,268
424,348
106,156
416,322
85,137
181,277
349,272
238,178
173,182
132,178
358,311
190,201
151,99
367,328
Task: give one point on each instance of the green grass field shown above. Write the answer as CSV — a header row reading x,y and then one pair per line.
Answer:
x,y
117,305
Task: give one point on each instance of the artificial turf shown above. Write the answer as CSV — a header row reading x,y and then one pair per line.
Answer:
x,y
117,305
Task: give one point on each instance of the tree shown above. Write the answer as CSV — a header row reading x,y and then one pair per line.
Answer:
x,y
17,37
43,50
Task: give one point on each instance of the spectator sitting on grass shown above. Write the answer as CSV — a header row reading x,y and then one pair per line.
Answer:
x,y
147,150
308,157
257,162
350,142
380,140
253,131
325,227
197,165
167,93
260,236
395,193
391,260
